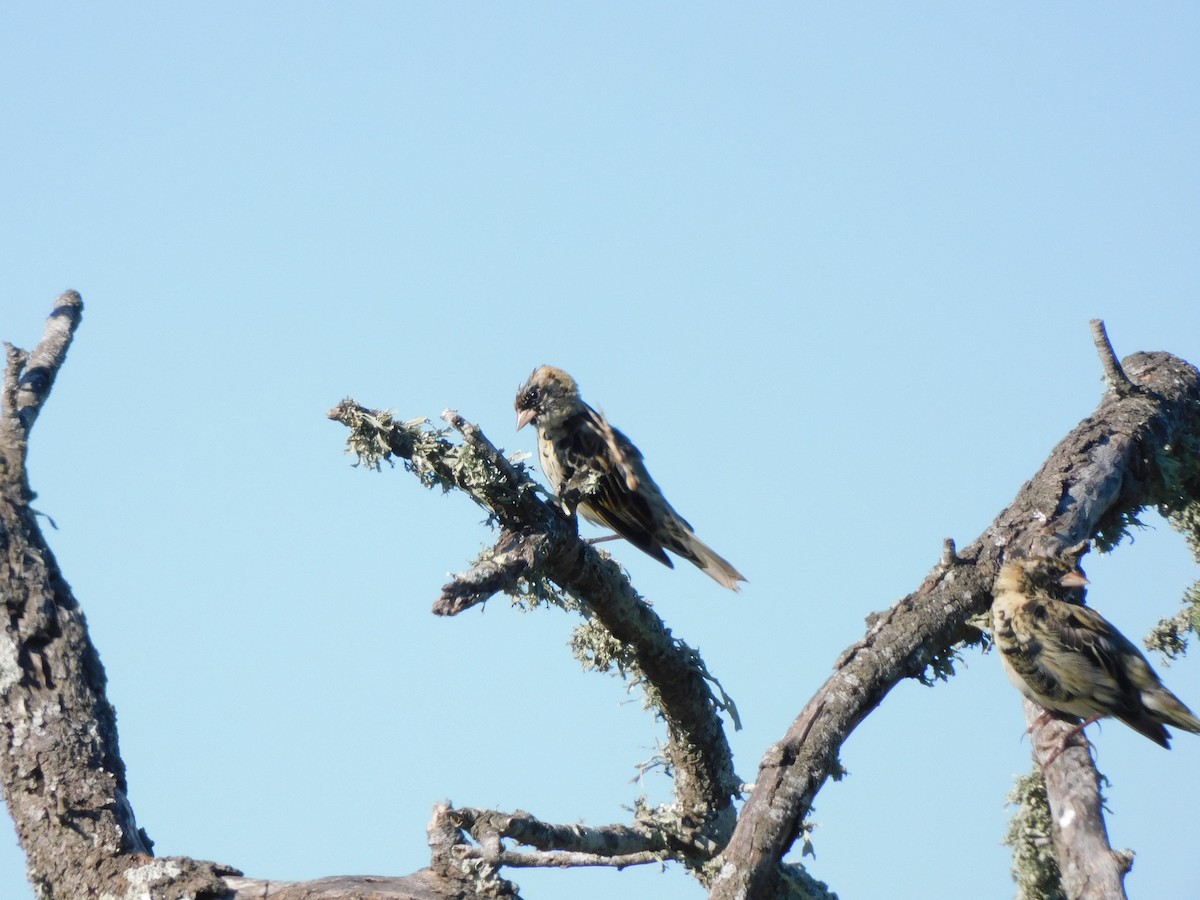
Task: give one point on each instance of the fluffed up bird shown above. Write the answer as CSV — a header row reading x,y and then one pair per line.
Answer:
x,y
583,456
1069,658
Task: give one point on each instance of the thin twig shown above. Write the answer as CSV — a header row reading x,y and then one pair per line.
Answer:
x,y
1114,376
558,859
487,826
556,846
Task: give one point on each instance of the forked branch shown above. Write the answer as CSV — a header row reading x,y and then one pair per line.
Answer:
x,y
81,838
1111,465
539,556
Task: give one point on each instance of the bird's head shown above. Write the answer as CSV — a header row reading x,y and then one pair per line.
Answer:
x,y
547,398
1053,576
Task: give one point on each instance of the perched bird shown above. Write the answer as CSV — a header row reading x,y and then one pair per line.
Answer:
x,y
1069,658
589,462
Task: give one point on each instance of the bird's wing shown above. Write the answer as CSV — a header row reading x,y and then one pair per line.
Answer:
x,y
1085,630
1090,633
624,496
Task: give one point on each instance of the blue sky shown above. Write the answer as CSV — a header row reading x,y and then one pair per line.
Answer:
x,y
831,267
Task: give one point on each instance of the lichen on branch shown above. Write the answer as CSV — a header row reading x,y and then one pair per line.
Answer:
x,y
539,559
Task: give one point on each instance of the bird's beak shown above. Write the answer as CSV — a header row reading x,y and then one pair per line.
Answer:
x,y
1074,579
524,417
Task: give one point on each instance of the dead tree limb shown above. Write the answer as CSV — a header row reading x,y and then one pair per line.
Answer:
x,y
1124,457
62,774
539,555
60,768
64,781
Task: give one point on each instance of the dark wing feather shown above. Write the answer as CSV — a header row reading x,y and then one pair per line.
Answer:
x,y
591,444
1087,632
1090,633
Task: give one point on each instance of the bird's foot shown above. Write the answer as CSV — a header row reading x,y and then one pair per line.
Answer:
x,y
1077,730
1039,721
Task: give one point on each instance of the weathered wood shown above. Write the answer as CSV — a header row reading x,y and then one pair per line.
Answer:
x,y
538,542
1104,470
423,885
64,781
1090,869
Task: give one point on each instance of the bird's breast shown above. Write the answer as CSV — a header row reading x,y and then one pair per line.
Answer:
x,y
551,466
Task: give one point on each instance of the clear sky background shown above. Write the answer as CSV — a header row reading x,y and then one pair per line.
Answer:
x,y
830,266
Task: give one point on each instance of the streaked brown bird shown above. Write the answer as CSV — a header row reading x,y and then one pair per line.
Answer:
x,y
584,456
1069,658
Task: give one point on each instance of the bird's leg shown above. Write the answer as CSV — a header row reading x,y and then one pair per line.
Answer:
x,y
1039,721
1077,730
603,538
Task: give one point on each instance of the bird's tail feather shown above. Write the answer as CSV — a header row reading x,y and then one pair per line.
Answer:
x,y
714,565
1170,710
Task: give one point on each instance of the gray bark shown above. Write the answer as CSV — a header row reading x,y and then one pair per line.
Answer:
x,y
1107,468
62,774
60,766
1090,869
64,781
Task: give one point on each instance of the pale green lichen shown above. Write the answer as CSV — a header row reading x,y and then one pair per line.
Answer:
x,y
598,651
656,763
596,648
1177,498
1170,636
376,437
368,439
804,838
1180,504
1035,865
493,481
534,590
938,665
1114,528
799,885
795,883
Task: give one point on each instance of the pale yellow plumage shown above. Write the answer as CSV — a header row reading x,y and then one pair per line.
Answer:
x,y
1069,658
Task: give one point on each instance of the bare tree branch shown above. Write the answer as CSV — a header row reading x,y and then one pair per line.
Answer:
x,y
537,541
1114,376
64,781
423,885
566,846
453,875
46,359
28,378
62,774
1095,479
515,555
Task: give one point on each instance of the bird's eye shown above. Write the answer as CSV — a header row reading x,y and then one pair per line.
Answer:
x,y
531,398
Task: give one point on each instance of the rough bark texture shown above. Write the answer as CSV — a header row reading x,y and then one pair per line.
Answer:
x,y
64,781
61,771
538,542
62,774
1089,867
1103,471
